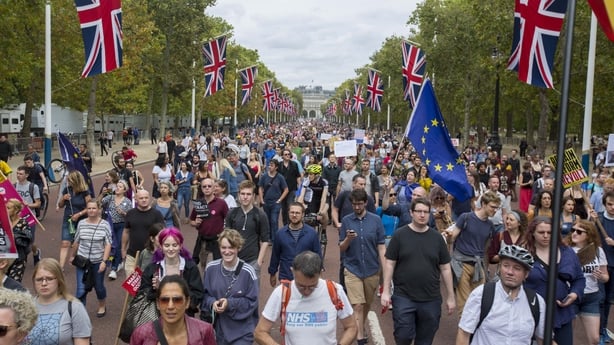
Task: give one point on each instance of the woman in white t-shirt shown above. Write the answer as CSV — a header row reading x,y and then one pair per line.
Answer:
x,y
586,242
162,171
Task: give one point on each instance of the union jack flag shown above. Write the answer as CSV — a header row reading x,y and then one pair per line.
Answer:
x,y
358,102
347,103
101,28
214,53
414,64
267,96
537,26
248,75
277,101
375,91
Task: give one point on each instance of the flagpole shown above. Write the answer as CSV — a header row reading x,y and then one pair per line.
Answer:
x,y
48,122
560,153
236,92
193,115
388,113
588,103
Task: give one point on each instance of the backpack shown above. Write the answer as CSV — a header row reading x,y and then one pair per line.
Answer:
x,y
70,314
45,171
488,297
30,189
285,298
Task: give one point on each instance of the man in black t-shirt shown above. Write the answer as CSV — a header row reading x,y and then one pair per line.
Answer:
x,y
136,229
289,170
416,258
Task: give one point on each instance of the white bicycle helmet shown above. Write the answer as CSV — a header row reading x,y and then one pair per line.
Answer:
x,y
517,253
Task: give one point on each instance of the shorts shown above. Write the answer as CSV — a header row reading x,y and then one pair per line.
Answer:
x,y
590,304
66,235
360,291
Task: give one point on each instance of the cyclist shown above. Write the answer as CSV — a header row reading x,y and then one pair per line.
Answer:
x,y
314,194
36,175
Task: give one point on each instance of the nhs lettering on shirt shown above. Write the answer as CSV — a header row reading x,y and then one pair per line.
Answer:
x,y
307,319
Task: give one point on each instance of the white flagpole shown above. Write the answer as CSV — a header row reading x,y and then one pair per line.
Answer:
x,y
193,115
588,106
388,114
236,91
47,83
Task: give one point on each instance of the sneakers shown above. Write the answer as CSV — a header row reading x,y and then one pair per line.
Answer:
x,y
120,267
113,275
37,256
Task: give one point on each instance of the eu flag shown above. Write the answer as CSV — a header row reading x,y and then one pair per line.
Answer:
x,y
73,160
428,134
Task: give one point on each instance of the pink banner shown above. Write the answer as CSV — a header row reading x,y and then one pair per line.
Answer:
x,y
7,240
8,191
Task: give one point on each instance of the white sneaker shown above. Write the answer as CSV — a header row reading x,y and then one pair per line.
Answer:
x,y
120,267
112,275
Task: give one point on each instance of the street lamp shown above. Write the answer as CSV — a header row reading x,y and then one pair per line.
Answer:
x,y
494,141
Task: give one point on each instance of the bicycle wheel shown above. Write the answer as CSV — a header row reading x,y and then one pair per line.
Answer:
x,y
115,156
323,240
56,170
43,208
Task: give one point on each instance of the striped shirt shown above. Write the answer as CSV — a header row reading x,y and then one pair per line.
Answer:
x,y
92,239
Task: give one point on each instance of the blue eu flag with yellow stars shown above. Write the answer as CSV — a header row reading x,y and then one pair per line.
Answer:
x,y
71,157
429,136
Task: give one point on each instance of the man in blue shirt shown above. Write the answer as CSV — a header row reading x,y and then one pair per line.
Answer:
x,y
362,242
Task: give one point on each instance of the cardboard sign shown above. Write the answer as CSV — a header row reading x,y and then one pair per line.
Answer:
x,y
345,148
133,282
573,173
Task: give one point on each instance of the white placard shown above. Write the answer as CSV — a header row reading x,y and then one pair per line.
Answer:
x,y
359,133
325,136
345,148
455,142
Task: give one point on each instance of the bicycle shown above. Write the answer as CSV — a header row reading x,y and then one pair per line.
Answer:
x,y
312,220
56,170
42,210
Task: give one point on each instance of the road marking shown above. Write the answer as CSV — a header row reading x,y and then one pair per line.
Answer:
x,y
376,332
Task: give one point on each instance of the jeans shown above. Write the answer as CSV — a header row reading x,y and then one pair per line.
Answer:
x,y
272,210
608,288
101,291
184,194
417,321
286,206
116,246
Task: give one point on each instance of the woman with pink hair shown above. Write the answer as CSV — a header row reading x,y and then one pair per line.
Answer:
x,y
172,258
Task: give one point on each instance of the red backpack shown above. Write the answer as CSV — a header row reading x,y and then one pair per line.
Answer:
x,y
285,298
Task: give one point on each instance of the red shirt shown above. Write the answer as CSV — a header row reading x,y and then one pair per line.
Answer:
x,y
214,223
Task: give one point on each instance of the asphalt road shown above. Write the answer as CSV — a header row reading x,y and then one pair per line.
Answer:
x,y
105,329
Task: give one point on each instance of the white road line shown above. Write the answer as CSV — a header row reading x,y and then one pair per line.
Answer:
x,y
376,338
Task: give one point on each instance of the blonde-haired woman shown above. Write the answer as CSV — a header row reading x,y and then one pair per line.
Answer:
x,y
117,206
75,197
22,233
62,319
228,174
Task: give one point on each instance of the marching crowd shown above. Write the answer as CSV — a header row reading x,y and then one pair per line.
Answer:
x,y
402,238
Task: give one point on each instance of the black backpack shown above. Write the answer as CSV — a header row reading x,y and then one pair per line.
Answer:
x,y
488,297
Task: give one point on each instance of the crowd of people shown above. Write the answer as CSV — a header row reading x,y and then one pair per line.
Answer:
x,y
402,237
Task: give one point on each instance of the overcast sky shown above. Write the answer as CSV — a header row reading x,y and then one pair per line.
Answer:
x,y
315,42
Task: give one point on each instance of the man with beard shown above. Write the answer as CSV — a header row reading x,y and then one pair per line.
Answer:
x,y
507,298
417,261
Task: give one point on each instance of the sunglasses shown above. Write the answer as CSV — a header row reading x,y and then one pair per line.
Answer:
x,y
178,301
578,231
4,329
392,194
